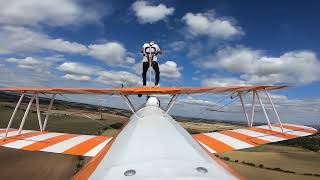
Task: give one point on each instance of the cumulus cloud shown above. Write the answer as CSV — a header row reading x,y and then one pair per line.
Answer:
x,y
130,60
74,68
207,24
37,64
118,78
216,81
178,45
170,70
54,13
77,77
20,39
147,13
294,67
112,53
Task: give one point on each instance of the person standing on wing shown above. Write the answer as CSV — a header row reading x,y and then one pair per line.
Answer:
x,y
150,52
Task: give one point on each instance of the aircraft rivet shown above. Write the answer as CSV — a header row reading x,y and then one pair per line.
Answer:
x,y
129,172
202,169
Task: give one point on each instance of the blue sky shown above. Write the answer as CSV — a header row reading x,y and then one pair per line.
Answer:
x,y
79,43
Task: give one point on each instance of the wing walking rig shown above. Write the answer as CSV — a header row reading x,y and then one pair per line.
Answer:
x,y
152,145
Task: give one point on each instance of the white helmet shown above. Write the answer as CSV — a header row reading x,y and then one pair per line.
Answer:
x,y
152,43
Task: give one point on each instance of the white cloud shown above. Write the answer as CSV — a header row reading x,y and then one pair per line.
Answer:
x,y
130,60
195,101
54,13
112,53
254,67
170,69
20,39
77,77
76,68
208,24
117,78
216,81
37,64
178,45
147,13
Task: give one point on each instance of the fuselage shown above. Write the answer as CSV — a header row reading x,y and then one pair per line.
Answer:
x,y
154,146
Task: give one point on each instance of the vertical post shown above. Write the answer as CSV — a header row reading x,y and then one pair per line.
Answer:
x,y
274,109
38,112
264,110
244,109
172,101
48,113
253,107
13,115
26,114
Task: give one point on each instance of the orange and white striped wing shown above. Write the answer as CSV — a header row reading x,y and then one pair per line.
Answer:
x,y
229,140
73,144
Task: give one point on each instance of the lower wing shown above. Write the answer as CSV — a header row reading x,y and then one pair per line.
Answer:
x,y
73,144
229,140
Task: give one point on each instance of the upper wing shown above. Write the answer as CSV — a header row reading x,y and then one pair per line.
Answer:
x,y
73,144
223,141
135,91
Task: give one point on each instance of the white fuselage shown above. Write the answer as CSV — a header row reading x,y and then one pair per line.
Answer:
x,y
154,146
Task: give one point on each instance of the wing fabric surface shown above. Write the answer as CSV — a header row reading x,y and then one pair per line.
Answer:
x,y
73,144
230,140
139,90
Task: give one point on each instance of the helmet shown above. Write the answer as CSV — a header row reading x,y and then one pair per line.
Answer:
x,y
152,43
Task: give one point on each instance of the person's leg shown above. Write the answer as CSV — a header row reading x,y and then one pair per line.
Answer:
x,y
145,67
155,66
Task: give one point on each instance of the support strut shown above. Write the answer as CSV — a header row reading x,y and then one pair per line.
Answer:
x,y
274,109
48,113
13,115
264,110
244,109
26,114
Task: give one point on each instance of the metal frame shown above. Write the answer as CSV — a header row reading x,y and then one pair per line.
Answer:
x,y
48,113
253,107
171,102
127,100
274,109
264,110
13,115
38,112
26,113
244,109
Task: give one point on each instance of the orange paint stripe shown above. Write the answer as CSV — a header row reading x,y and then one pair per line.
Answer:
x,y
91,166
214,144
248,139
223,165
49,142
273,133
297,128
86,146
19,137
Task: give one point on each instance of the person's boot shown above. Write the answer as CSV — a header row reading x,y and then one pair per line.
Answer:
x,y
157,86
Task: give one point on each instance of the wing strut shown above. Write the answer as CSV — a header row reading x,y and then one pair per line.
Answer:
x,y
48,113
127,100
244,109
172,101
13,115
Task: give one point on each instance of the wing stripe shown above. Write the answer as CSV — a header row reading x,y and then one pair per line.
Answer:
x,y
6,142
86,146
49,142
273,133
259,135
31,140
207,147
248,139
309,131
233,142
213,143
14,133
286,131
98,148
67,144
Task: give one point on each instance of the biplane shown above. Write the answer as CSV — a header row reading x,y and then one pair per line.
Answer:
x,y
152,145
